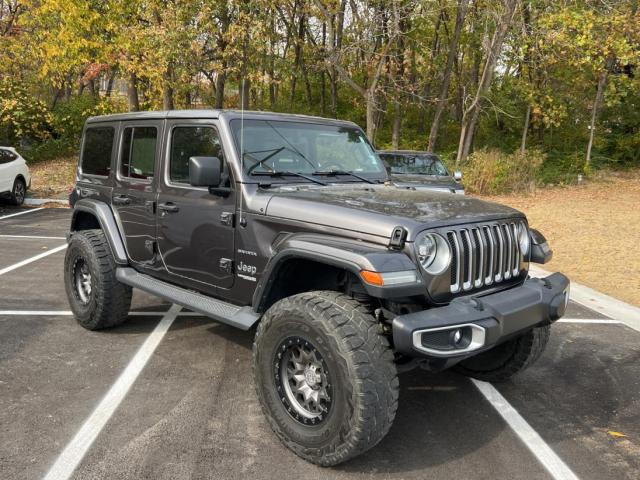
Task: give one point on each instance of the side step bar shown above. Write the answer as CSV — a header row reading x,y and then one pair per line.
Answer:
x,y
240,317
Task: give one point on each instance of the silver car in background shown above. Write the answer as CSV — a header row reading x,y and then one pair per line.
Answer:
x,y
415,169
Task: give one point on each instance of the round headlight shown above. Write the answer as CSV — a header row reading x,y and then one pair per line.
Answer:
x,y
426,250
523,239
433,252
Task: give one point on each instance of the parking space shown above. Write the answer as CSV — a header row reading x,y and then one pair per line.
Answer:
x,y
192,411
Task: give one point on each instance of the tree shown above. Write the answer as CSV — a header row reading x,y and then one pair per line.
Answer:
x,y
446,76
472,112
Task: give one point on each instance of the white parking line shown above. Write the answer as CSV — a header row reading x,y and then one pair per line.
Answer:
x,y
21,213
590,320
545,455
67,313
32,259
75,451
32,236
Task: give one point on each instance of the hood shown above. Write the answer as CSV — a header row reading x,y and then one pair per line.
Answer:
x,y
377,209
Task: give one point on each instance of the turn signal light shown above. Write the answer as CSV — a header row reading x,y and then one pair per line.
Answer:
x,y
388,279
372,278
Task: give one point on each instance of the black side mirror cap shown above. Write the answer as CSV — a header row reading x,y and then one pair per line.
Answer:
x,y
205,171
540,251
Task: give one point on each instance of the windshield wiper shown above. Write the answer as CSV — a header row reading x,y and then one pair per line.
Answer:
x,y
287,173
344,172
260,163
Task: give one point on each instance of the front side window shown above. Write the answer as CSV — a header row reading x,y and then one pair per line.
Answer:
x,y
187,142
138,155
300,147
96,150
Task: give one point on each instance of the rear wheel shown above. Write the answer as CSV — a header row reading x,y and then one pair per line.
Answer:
x,y
18,192
324,376
98,300
505,360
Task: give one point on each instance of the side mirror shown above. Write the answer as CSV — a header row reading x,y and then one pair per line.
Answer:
x,y
457,175
204,171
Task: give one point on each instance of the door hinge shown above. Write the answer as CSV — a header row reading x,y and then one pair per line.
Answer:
x,y
151,246
226,264
227,218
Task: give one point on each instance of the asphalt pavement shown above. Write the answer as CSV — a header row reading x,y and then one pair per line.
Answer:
x,y
191,410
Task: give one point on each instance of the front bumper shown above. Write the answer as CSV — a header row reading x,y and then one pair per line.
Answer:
x,y
472,324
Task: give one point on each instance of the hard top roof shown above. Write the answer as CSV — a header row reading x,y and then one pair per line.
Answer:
x,y
208,113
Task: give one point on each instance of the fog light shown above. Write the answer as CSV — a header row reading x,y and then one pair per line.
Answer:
x,y
457,336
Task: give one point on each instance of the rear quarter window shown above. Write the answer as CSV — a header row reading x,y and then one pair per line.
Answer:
x,y
7,156
96,150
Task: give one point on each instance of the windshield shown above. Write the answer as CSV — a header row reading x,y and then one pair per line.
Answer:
x,y
270,147
414,163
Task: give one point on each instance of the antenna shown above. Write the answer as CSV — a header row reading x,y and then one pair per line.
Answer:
x,y
241,220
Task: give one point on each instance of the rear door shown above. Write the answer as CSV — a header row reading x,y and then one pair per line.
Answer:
x,y
195,228
134,193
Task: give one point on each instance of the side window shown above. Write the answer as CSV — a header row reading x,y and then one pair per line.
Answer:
x,y
96,153
138,155
187,142
6,156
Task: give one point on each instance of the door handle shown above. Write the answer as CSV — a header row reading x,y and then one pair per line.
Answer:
x,y
168,207
121,200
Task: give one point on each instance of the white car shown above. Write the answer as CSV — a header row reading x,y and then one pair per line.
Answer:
x,y
15,178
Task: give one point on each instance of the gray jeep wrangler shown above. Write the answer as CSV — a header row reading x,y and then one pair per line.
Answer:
x,y
288,226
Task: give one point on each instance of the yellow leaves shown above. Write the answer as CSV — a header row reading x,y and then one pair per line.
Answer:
x,y
615,434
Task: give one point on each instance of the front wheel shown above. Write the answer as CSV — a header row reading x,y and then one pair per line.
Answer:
x,y
324,376
507,359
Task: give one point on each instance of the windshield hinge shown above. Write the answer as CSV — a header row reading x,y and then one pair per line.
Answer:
x,y
398,237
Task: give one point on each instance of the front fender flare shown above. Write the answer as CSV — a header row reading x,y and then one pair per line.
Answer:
x,y
350,255
102,212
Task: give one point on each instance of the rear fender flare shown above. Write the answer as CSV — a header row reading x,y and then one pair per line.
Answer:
x,y
104,215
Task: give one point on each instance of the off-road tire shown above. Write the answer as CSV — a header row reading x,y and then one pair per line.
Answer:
x,y
505,360
109,300
18,192
359,361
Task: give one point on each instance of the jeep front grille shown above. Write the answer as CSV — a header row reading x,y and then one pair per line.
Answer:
x,y
484,255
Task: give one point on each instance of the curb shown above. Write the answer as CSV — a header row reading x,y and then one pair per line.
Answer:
x,y
599,302
42,201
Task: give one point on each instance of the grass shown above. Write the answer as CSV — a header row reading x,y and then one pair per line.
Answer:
x,y
593,228
52,178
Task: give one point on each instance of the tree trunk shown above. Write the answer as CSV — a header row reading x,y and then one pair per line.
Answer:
x,y
323,88
110,85
245,91
397,125
523,143
167,89
371,115
220,82
602,81
444,90
132,93
471,114
426,92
